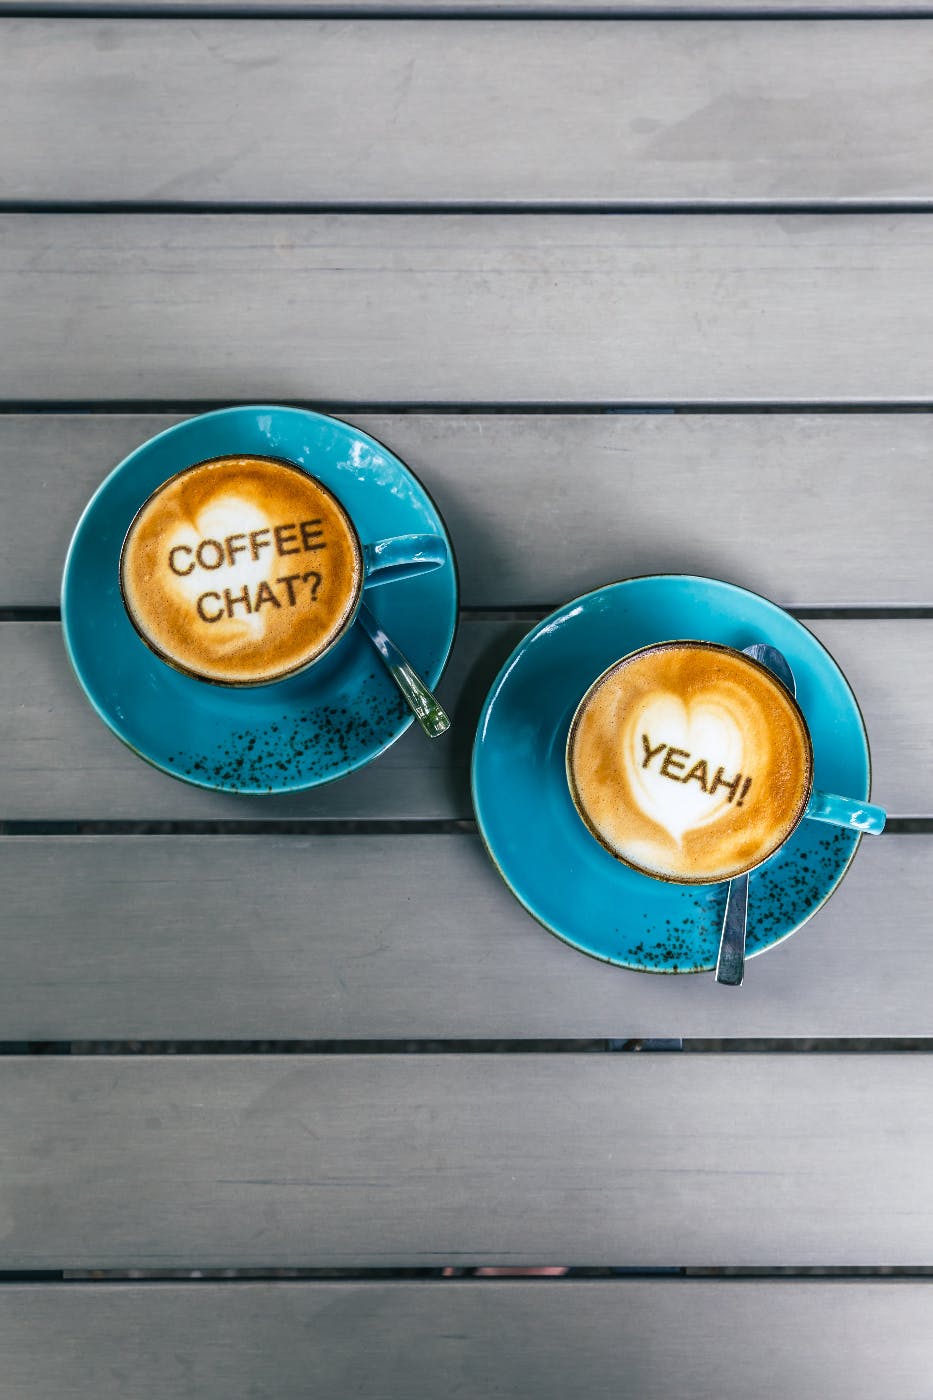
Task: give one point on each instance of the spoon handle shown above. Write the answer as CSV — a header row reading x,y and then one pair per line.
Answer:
x,y
421,702
730,965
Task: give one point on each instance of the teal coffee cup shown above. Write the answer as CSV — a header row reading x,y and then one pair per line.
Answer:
x,y
244,570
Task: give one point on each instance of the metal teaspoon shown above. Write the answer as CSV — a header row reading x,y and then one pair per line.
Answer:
x,y
420,701
730,964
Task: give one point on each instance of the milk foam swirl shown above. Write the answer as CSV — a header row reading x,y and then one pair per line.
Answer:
x,y
689,761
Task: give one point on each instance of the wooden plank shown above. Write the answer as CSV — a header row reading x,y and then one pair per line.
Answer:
x,y
454,308
505,1160
457,110
58,762
624,1339
499,477
98,941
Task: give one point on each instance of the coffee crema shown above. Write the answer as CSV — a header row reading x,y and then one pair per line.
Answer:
x,y
689,761
241,570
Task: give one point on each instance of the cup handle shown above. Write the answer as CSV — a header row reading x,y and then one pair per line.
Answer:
x,y
403,556
844,811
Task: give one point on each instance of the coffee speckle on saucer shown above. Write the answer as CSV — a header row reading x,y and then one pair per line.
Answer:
x,y
782,895
315,742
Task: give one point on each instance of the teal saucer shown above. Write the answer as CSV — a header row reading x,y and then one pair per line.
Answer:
x,y
316,726
540,845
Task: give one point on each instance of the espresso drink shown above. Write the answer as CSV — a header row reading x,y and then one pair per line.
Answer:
x,y
241,570
689,761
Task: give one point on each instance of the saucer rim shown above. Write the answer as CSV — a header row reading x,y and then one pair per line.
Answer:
x,y
481,827
172,772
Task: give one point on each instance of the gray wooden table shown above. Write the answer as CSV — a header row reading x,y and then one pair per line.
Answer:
x,y
663,279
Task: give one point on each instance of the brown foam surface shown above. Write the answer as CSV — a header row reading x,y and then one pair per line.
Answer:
x,y
690,762
241,570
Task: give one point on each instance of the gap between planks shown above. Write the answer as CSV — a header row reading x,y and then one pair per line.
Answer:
x,y
438,208
488,12
476,408
847,1045
271,1274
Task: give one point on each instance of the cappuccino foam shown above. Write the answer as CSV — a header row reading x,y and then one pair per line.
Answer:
x,y
689,761
241,570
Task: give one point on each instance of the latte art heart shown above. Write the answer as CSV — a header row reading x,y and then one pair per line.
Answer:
x,y
689,761
682,761
220,520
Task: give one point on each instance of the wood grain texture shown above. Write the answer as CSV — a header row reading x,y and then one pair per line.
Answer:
x,y
58,762
403,309
623,1339
542,508
625,1160
304,111
405,937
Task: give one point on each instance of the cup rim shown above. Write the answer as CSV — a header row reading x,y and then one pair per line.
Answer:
x,y
295,670
707,646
